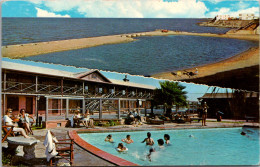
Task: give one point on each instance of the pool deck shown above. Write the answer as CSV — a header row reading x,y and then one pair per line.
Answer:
x,y
85,158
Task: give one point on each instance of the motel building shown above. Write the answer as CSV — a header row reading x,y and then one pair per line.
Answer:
x,y
52,95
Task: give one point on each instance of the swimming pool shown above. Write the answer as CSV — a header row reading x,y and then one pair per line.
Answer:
x,y
218,146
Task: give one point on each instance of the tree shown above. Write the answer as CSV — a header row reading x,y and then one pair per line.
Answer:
x,y
170,93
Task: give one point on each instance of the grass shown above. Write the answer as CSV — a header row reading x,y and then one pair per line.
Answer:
x,y
36,128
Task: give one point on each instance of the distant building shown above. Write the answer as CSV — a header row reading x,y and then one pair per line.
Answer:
x,y
232,107
222,17
246,16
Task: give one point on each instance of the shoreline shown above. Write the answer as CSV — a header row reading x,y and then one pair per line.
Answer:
x,y
33,49
245,59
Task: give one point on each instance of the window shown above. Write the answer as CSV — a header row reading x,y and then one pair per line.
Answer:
x,y
54,103
100,90
86,88
42,103
112,91
13,103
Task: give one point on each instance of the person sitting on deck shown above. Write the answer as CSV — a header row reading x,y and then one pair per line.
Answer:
x,y
149,141
85,119
128,139
109,138
8,121
24,121
137,116
76,117
130,118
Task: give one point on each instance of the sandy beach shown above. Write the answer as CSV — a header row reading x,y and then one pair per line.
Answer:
x,y
32,49
248,58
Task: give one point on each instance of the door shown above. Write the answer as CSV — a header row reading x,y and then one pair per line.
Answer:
x,y
29,105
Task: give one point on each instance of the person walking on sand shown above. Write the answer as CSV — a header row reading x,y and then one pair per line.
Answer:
x,y
149,141
204,113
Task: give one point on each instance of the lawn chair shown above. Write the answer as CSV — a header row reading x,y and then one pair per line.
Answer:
x,y
8,131
65,150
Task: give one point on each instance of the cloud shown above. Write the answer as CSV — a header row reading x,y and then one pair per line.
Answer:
x,y
131,8
218,1
228,11
44,13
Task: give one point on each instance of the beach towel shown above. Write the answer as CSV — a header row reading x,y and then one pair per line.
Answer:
x,y
49,143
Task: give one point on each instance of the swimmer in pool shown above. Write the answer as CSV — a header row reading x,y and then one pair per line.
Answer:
x,y
109,139
167,139
150,153
128,139
243,133
149,141
160,143
121,147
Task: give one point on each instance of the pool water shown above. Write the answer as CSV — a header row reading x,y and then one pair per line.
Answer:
x,y
218,146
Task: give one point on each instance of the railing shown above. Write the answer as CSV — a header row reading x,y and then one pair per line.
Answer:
x,y
20,87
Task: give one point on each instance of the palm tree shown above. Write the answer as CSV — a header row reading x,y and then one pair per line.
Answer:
x,y
170,93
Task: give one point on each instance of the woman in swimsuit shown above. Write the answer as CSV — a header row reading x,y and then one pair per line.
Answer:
x,y
149,141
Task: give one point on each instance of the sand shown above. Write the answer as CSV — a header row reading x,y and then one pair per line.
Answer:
x,y
248,58
32,49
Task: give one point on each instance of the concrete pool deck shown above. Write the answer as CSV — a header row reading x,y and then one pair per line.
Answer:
x,y
84,158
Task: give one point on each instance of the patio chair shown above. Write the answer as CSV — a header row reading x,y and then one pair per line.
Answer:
x,y
7,132
65,150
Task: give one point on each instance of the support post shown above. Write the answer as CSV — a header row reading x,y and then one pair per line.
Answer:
x,y
118,116
100,109
67,109
4,107
36,84
4,80
83,89
83,105
145,110
47,109
61,106
36,111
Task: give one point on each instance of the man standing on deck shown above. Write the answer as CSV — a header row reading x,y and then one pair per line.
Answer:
x,y
204,113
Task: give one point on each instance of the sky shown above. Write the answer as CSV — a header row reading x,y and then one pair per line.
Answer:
x,y
132,9
128,8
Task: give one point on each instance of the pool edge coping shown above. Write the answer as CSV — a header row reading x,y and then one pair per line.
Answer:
x,y
98,152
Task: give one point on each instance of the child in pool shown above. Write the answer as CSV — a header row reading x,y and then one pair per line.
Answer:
x,y
160,143
149,141
109,139
121,148
127,140
150,153
167,139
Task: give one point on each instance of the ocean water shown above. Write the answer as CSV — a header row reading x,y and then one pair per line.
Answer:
x,y
29,30
220,146
149,55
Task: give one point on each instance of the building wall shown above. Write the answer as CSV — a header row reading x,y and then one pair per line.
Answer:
x,y
246,16
222,17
